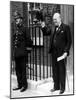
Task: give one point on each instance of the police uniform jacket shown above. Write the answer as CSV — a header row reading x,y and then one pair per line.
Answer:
x,y
20,40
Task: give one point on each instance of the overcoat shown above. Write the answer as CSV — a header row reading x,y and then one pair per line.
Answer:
x,y
60,39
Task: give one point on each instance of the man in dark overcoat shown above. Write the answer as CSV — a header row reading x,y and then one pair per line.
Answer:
x,y
60,43
21,41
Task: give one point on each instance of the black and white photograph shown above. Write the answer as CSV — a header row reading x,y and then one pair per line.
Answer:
x,y
41,49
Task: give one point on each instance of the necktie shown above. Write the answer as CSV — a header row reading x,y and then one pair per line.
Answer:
x,y
54,39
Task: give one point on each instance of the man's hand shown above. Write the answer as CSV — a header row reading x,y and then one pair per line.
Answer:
x,y
42,24
62,57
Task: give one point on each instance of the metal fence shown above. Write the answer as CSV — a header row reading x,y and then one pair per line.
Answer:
x,y
39,59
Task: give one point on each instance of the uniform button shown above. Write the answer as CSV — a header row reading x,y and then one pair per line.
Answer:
x,y
55,40
15,46
17,34
17,31
15,40
15,43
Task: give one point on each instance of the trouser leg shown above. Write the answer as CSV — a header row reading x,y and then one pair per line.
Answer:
x,y
62,74
24,78
18,71
55,70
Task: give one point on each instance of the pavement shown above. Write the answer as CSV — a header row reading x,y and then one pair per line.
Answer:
x,y
40,88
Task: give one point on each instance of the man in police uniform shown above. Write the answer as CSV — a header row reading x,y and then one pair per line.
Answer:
x,y
60,43
21,42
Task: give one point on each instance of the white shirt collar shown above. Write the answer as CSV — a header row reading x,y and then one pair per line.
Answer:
x,y
59,24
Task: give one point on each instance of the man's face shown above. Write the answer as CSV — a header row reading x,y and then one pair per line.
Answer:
x,y
56,20
18,21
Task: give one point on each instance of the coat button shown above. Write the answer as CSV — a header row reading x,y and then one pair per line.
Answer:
x,y
15,46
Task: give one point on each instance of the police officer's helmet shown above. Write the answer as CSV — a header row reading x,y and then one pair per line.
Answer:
x,y
17,15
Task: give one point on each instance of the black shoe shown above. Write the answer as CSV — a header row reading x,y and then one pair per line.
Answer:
x,y
17,88
53,90
61,91
23,89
